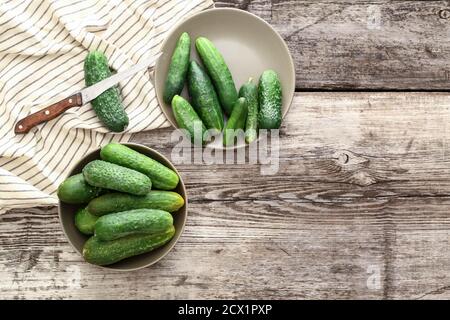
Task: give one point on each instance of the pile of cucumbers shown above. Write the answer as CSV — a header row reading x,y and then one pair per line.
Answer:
x,y
213,93
122,212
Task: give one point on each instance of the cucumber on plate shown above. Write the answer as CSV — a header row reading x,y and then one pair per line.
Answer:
x,y
178,68
249,91
204,97
219,72
188,119
270,100
236,122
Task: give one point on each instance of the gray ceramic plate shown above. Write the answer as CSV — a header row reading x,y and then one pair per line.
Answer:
x,y
77,239
248,43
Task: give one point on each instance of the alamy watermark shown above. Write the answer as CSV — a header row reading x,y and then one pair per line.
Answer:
x,y
207,148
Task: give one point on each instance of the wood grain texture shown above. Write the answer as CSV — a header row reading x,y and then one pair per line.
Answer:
x,y
363,189
362,44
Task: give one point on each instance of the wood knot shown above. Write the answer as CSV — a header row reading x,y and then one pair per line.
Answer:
x,y
444,13
343,158
348,158
354,167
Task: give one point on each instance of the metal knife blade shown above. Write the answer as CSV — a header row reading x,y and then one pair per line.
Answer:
x,y
79,98
92,92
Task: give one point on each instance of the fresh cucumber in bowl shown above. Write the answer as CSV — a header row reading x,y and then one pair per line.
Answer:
x,y
105,253
85,221
75,190
162,177
115,202
140,221
114,177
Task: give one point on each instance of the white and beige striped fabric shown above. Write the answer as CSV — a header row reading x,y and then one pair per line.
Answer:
x,y
42,47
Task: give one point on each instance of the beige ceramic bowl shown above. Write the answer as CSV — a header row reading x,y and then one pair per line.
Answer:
x,y
77,239
248,43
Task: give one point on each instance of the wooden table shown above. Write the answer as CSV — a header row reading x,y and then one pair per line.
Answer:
x,y
360,207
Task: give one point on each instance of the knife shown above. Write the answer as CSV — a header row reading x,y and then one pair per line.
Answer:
x,y
80,98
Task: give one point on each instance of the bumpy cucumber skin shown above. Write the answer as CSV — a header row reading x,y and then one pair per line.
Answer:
x,y
204,97
162,177
218,71
116,202
249,91
75,190
108,105
236,121
188,119
178,68
111,176
105,253
141,221
85,221
270,100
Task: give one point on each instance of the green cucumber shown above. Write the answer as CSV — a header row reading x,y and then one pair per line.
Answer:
x,y
116,202
235,122
108,105
178,68
218,71
249,91
75,190
188,119
204,98
141,221
105,253
162,177
85,221
111,176
270,101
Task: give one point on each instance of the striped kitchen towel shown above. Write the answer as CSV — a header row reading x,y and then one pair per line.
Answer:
x,y
43,44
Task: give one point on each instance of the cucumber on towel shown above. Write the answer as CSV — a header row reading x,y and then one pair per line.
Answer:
x,y
108,106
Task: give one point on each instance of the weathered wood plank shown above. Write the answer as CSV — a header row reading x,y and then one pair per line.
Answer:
x,y
363,189
362,44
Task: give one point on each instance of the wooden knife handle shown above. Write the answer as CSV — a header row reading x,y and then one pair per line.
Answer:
x,y
47,114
